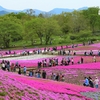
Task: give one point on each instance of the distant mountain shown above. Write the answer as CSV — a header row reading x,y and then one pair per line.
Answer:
x,y
60,10
37,12
83,8
3,12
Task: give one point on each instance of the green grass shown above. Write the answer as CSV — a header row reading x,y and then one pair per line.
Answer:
x,y
57,41
3,93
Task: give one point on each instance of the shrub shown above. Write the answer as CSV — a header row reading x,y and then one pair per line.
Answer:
x,y
73,37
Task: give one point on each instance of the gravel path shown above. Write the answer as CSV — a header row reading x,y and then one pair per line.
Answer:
x,y
29,57
93,95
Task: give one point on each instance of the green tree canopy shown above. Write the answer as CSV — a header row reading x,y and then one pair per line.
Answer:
x,y
8,29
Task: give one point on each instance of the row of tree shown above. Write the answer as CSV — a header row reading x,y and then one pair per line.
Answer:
x,y
45,27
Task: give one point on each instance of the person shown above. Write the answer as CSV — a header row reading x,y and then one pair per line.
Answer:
x,y
85,53
63,78
94,59
9,51
57,77
19,72
74,53
99,53
69,52
83,43
12,67
8,65
86,81
68,60
81,60
24,69
14,53
72,60
3,66
38,74
96,82
44,74
16,64
60,77
38,64
52,76
91,84
33,73
30,73
91,53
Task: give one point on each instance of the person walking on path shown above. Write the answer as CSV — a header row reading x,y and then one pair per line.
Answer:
x,y
25,69
44,74
81,60
96,82
19,71
94,59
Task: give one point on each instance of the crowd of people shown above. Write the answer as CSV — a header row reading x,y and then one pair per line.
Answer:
x,y
32,73
6,65
65,61
90,83
62,51
42,74
55,62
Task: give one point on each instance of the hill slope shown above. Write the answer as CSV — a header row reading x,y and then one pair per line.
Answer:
x,y
25,88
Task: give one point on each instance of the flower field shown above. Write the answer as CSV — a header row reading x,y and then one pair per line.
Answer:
x,y
16,87
32,60
96,45
20,87
20,51
32,63
90,47
75,73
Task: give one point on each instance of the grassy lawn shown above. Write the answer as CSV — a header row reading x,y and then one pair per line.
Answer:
x,y
57,41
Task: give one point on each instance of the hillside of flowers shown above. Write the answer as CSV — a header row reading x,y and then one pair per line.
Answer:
x,y
75,73
33,59
16,87
18,52
23,87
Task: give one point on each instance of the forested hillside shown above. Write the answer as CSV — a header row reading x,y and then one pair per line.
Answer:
x,y
26,29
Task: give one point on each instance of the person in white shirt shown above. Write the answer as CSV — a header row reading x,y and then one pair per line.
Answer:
x,y
3,66
94,59
96,82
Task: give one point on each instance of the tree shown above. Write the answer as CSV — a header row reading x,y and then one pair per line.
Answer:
x,y
34,28
41,15
62,20
51,28
30,12
84,36
77,22
92,15
8,28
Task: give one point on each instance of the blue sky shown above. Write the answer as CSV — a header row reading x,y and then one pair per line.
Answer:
x,y
47,5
